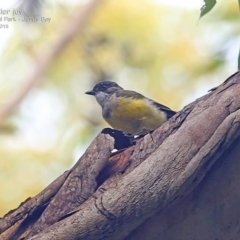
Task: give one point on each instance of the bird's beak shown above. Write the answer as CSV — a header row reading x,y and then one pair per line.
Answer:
x,y
90,92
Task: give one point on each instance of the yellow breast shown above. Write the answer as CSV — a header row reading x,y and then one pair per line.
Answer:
x,y
134,115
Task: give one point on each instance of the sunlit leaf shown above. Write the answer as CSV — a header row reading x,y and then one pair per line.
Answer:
x,y
207,7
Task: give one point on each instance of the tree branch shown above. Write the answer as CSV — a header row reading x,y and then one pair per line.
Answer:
x,y
150,180
170,172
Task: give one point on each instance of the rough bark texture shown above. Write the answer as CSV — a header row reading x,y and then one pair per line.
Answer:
x,y
210,212
63,195
179,183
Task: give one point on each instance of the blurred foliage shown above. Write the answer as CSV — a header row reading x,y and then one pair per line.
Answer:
x,y
158,50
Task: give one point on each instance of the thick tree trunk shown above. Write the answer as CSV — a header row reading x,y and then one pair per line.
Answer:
x,y
179,183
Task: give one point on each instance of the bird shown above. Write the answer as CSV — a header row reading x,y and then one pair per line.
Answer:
x,y
129,111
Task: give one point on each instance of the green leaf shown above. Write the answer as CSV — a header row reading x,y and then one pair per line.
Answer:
x,y
239,4
207,7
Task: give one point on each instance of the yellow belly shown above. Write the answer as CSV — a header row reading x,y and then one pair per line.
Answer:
x,y
135,116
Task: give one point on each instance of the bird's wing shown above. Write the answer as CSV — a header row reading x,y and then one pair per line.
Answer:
x,y
132,94
167,110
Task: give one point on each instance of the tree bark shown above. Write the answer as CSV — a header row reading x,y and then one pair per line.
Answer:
x,y
179,183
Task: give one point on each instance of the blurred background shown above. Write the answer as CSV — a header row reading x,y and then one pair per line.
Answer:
x,y
156,47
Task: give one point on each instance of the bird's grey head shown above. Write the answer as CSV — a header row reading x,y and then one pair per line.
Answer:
x,y
103,90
